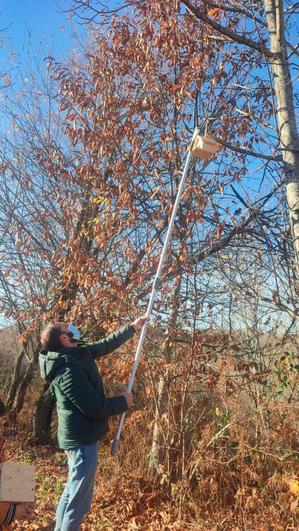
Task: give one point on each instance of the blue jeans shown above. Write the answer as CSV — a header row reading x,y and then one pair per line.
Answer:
x,y
76,498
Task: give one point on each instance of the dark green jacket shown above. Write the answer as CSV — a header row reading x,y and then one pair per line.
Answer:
x,y
82,406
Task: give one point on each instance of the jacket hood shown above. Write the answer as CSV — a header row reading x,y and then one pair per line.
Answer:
x,y
50,363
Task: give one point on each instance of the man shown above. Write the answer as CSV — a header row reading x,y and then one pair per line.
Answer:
x,y
82,407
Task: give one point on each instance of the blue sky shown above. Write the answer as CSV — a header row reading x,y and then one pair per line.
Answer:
x,y
42,22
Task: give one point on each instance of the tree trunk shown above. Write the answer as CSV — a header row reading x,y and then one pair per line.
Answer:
x,y
15,382
154,457
42,416
285,113
22,388
163,386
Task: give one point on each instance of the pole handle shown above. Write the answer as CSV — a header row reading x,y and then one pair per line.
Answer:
x,y
115,446
116,440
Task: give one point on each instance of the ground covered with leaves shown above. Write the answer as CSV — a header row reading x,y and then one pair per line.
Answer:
x,y
128,500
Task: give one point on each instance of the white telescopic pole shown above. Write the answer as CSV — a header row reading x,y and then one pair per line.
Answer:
x,y
155,288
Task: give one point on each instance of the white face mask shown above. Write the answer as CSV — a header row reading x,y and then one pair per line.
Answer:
x,y
74,331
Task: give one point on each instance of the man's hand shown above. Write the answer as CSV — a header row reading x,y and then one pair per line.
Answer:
x,y
140,322
128,397
24,511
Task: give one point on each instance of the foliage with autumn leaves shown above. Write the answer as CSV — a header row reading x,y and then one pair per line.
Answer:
x,y
96,171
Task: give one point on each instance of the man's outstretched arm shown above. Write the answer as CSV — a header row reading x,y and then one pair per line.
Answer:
x,y
114,340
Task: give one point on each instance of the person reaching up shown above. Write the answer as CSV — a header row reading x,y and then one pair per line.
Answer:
x,y
83,408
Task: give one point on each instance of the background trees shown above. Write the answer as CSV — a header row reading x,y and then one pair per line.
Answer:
x,y
269,36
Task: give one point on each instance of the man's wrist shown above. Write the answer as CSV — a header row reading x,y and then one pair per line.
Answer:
x,y
139,323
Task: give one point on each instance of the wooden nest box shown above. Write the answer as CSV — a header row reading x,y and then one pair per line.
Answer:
x,y
16,482
205,147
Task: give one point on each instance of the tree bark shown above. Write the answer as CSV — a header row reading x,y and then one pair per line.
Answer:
x,y
163,385
154,457
285,112
22,388
16,378
42,416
